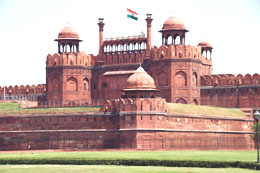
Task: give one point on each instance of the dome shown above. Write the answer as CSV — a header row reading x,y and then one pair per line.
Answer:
x,y
205,44
173,23
68,33
140,80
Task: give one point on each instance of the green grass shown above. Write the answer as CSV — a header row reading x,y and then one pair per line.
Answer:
x,y
14,108
112,169
205,110
243,156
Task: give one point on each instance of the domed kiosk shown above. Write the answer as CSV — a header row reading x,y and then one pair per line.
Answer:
x,y
68,40
207,48
140,85
173,23
172,29
68,33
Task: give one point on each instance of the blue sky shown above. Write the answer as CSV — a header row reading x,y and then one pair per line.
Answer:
x,y
28,29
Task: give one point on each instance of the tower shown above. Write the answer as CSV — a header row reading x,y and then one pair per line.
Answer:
x,y
68,72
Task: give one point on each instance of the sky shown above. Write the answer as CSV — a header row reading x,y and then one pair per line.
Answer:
x,y
28,29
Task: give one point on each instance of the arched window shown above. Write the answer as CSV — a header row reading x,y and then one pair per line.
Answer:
x,y
181,100
180,79
163,79
86,84
194,79
72,84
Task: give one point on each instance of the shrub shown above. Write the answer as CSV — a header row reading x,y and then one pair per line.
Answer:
x,y
135,162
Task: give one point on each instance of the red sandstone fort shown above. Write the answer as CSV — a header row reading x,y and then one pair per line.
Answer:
x,y
133,80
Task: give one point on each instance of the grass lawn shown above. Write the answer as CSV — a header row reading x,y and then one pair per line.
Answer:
x,y
205,110
112,169
245,156
14,108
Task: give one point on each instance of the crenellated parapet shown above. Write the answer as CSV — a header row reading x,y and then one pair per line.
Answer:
x,y
135,104
230,80
23,90
71,58
179,51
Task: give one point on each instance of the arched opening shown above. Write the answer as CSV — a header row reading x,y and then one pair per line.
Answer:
x,y
142,45
177,39
204,53
86,84
194,79
163,79
131,47
181,100
169,40
195,102
136,46
72,84
180,79
113,48
125,47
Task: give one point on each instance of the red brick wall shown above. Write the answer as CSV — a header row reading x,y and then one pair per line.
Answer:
x,y
140,130
230,91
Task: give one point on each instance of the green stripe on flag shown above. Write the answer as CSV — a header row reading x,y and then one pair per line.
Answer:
x,y
132,17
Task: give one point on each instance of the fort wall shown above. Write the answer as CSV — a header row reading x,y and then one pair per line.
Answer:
x,y
231,91
137,130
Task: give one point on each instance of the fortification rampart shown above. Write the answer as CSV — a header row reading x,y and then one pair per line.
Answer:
x,y
31,93
231,91
230,80
179,51
134,129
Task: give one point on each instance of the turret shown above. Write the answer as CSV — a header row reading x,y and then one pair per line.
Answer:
x,y
68,40
173,28
206,48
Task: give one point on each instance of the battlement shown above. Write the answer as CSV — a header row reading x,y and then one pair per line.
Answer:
x,y
23,90
135,104
70,58
179,51
230,80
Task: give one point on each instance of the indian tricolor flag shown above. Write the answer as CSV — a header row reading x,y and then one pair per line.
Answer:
x,y
131,14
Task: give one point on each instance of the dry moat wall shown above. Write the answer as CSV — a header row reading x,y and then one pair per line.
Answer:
x,y
124,130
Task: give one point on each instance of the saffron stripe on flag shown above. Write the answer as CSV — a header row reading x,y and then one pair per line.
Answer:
x,y
132,17
131,11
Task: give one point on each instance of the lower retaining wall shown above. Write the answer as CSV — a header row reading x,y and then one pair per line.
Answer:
x,y
128,130
124,139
